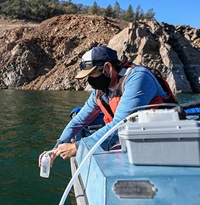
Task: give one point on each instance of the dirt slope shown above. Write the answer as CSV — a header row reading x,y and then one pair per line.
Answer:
x,y
46,56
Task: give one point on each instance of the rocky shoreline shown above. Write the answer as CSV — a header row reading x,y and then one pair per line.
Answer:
x,y
47,56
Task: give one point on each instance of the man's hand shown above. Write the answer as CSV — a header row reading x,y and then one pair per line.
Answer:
x,y
52,155
66,150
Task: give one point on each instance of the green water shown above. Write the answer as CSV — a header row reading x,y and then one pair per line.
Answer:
x,y
30,122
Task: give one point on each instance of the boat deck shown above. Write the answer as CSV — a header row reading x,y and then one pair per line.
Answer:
x,y
105,177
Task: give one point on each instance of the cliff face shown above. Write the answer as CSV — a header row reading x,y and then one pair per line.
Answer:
x,y
47,56
173,50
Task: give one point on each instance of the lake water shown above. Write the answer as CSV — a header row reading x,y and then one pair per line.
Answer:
x,y
30,122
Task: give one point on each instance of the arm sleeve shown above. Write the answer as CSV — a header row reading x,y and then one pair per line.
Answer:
x,y
86,115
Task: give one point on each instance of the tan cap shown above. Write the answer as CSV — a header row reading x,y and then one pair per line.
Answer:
x,y
84,73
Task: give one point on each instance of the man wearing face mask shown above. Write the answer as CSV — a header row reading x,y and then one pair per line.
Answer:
x,y
118,87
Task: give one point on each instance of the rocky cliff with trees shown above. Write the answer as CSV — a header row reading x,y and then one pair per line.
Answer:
x,y
46,56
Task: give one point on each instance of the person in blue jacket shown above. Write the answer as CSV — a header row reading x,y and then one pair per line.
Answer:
x,y
118,88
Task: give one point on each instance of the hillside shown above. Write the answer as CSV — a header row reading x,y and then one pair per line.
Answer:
x,y
46,56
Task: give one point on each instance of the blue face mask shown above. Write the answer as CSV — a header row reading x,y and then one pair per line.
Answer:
x,y
101,82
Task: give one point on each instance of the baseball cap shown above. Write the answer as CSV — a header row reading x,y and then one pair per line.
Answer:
x,y
95,57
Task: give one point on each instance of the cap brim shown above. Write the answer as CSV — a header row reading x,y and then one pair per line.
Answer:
x,y
84,73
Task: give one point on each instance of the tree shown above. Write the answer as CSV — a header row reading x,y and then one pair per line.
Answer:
x,y
150,14
70,8
117,11
94,9
138,13
80,8
108,11
129,15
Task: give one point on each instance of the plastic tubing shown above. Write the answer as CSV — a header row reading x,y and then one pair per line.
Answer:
x,y
89,154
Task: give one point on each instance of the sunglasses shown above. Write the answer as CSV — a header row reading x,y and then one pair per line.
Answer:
x,y
87,65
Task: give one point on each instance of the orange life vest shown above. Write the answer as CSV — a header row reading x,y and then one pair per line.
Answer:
x,y
109,108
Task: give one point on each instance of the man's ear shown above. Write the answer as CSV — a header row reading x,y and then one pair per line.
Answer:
x,y
108,67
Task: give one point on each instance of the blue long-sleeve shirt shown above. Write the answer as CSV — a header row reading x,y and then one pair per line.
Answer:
x,y
140,87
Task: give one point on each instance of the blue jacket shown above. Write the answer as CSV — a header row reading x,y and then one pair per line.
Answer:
x,y
140,88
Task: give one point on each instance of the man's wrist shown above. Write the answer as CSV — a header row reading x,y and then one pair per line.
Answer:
x,y
58,143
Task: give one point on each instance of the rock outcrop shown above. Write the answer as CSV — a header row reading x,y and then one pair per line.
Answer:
x,y
47,56
173,50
